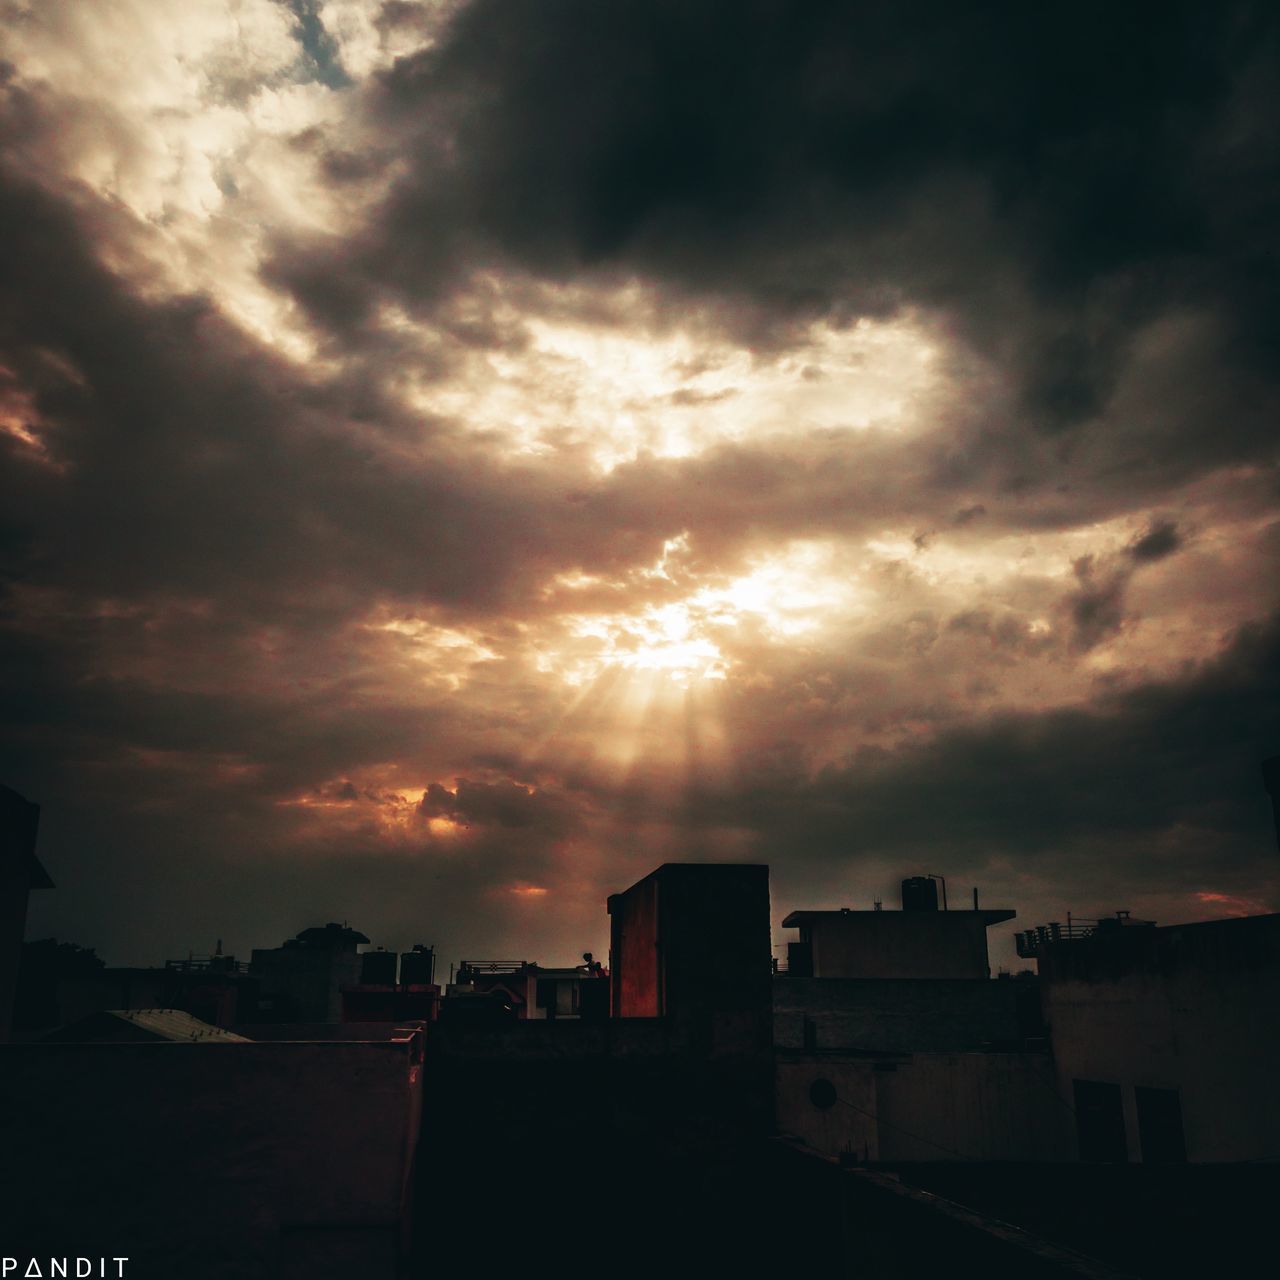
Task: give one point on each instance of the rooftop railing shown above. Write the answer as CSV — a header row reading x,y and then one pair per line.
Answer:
x,y
1033,942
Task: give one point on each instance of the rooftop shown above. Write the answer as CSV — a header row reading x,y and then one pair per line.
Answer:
x,y
163,1024
989,916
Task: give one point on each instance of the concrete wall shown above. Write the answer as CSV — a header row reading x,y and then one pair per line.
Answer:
x,y
927,1107
312,1031
973,1106
849,1125
899,944
305,981
633,954
1191,1008
716,953
894,1015
691,943
621,1067
211,1160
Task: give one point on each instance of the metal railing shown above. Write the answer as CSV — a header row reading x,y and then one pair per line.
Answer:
x,y
1033,942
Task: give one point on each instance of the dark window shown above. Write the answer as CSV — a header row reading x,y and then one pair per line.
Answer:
x,y
546,995
1160,1125
1100,1121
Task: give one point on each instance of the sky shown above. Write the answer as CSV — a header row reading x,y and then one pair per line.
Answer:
x,y
459,456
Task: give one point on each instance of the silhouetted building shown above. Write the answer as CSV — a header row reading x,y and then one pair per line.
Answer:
x,y
393,988
20,872
490,989
1166,1040
216,988
61,983
1032,943
917,942
690,943
461,1007
915,980
894,1043
47,966
303,980
531,992
379,1002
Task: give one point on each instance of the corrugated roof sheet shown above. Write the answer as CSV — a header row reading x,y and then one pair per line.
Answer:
x,y
175,1024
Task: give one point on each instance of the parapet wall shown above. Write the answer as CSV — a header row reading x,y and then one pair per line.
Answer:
x,y
894,1015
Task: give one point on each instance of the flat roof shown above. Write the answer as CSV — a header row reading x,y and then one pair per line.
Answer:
x,y
712,869
989,915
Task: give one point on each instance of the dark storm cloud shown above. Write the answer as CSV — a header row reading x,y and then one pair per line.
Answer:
x,y
504,803
1051,178
190,460
1097,792
1160,540
1079,200
1097,607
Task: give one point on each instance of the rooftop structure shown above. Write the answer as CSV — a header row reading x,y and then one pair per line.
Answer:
x,y
690,942
1034,942
917,942
303,980
527,991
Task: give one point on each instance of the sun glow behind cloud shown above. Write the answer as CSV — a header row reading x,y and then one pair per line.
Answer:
x,y
782,596
387,514
614,389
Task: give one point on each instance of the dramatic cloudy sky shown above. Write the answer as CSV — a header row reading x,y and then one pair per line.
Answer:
x,y
459,456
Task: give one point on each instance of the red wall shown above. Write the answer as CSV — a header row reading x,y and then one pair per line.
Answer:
x,y
633,961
